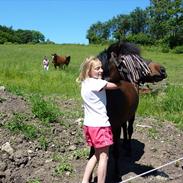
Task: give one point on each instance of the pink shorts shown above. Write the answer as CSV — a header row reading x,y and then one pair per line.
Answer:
x,y
98,136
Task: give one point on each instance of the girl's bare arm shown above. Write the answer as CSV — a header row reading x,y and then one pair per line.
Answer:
x,y
111,86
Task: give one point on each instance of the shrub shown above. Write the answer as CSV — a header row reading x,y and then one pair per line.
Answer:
x,y
178,49
165,49
140,38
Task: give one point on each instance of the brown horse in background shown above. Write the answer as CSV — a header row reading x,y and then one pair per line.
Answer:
x,y
122,103
60,61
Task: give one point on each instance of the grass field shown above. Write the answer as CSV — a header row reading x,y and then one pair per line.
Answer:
x,y
21,68
21,71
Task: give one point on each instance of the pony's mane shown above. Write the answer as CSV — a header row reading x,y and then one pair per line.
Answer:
x,y
102,56
133,67
124,48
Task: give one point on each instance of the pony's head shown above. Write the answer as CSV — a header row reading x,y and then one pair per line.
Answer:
x,y
158,73
122,61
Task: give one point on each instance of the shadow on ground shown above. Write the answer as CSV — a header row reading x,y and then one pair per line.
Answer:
x,y
128,164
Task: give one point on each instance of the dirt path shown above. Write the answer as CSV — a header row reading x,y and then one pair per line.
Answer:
x,y
21,161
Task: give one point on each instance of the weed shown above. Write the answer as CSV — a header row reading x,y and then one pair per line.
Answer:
x,y
45,111
17,125
173,101
34,181
43,142
56,157
152,132
81,153
16,90
64,166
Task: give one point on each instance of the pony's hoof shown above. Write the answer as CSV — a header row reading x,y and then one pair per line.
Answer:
x,y
118,180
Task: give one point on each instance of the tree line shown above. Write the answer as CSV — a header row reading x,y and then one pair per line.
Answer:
x,y
160,23
9,35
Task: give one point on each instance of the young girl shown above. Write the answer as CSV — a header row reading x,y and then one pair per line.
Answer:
x,y
96,128
45,63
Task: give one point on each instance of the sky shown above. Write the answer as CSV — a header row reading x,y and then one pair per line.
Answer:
x,y
63,21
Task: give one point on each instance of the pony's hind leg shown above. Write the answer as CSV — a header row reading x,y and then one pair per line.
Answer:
x,y
130,127
127,135
125,144
130,132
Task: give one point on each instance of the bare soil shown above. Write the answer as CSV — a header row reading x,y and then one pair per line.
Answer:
x,y
22,160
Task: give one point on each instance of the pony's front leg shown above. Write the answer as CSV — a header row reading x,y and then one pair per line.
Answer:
x,y
126,141
125,133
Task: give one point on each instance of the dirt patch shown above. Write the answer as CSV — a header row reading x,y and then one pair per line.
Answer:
x,y
61,158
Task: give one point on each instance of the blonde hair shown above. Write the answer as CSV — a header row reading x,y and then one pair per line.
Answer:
x,y
86,67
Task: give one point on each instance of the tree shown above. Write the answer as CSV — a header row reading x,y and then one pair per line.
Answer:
x,y
161,22
138,21
37,37
98,33
122,27
166,21
7,34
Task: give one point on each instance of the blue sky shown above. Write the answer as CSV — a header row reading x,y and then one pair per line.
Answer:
x,y
63,21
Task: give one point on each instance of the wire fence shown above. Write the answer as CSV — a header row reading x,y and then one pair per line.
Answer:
x,y
174,161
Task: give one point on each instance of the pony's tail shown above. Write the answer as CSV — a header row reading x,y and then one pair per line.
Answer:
x,y
68,60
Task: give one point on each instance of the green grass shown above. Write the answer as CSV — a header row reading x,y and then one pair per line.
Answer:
x,y
21,68
164,105
21,72
172,62
46,111
17,125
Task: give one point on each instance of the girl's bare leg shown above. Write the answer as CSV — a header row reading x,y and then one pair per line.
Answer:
x,y
102,165
89,169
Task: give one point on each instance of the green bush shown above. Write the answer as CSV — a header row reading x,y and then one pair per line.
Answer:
x,y
178,49
140,38
165,49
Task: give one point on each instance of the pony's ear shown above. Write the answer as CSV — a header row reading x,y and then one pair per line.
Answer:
x,y
113,55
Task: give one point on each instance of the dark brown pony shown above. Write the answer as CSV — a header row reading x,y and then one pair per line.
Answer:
x,y
122,103
60,61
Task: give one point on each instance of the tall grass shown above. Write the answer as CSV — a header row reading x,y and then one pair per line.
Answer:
x,y
164,105
172,62
21,71
21,68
